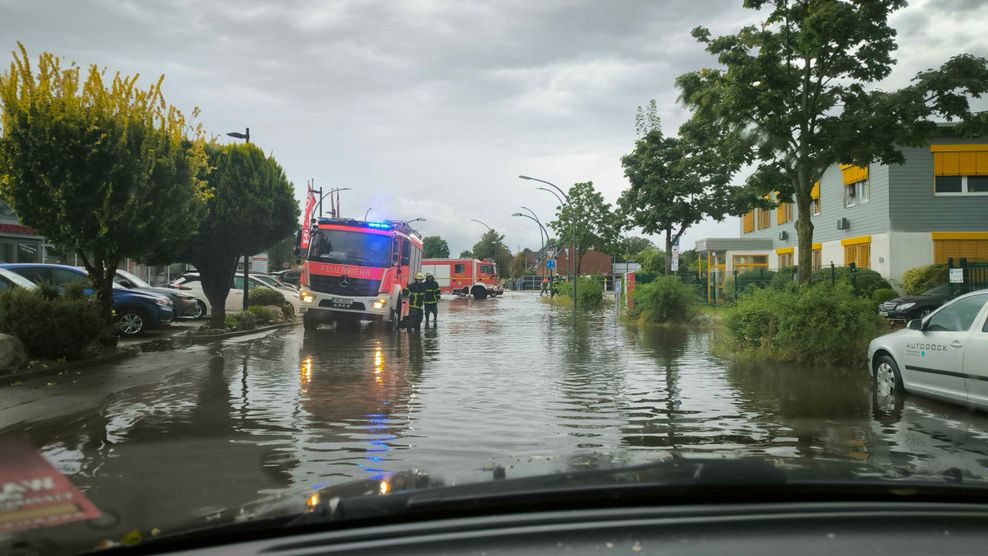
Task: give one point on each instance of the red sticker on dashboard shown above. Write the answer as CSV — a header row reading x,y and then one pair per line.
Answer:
x,y
34,494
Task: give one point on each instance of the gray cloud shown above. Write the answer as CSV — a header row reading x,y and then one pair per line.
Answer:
x,y
430,108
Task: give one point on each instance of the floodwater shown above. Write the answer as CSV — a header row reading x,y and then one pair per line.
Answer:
x,y
508,382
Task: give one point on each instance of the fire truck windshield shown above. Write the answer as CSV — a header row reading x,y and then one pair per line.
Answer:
x,y
487,268
353,248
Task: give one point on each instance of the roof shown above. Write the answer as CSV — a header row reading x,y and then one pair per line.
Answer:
x,y
734,244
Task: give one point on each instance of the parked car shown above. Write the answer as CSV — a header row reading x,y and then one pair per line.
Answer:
x,y
292,277
274,282
941,356
191,283
186,306
910,307
10,279
136,311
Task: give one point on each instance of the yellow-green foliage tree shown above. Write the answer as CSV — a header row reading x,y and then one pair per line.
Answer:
x,y
99,165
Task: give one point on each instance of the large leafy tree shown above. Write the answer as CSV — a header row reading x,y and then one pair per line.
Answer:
x,y
99,166
491,246
629,247
597,225
799,83
677,182
281,255
252,207
434,247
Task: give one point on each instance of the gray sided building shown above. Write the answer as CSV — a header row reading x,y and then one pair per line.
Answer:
x,y
889,218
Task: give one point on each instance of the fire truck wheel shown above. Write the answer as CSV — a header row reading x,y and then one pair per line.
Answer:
x,y
479,293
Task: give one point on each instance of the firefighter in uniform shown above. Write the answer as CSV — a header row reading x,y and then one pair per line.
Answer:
x,y
431,299
415,292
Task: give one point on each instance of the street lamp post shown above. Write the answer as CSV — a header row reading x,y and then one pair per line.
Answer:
x,y
541,231
246,137
572,251
482,224
366,213
327,194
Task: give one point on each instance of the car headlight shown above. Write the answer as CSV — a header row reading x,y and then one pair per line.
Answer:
x,y
164,302
909,305
379,303
307,297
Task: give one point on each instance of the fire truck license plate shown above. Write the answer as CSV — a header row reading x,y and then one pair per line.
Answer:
x,y
341,303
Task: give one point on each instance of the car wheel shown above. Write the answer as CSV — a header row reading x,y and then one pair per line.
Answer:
x,y
131,322
888,388
199,311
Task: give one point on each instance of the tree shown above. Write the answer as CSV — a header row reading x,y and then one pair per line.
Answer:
x,y
282,253
677,182
466,254
597,226
104,168
629,247
434,247
491,246
519,264
652,260
798,83
253,207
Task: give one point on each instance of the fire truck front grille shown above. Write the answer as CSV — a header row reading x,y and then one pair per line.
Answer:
x,y
350,286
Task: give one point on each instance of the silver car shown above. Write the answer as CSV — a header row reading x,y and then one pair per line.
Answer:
x,y
944,355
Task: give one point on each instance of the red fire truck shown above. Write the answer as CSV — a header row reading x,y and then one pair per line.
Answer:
x,y
355,270
465,277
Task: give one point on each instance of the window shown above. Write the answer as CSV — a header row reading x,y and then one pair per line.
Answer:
x,y
972,246
238,283
817,258
783,213
960,169
857,192
815,196
354,248
859,254
958,316
458,268
60,276
785,259
748,222
764,218
35,275
744,263
960,185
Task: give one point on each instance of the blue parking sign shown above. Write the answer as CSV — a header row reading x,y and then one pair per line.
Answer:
x,y
551,263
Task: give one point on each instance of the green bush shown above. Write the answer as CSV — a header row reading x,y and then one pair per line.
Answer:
x,y
265,296
665,300
818,324
262,315
589,291
241,321
288,310
881,295
784,278
746,282
918,280
868,280
76,289
50,328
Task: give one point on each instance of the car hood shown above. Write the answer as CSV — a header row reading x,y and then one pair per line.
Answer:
x,y
166,292
919,299
141,293
412,494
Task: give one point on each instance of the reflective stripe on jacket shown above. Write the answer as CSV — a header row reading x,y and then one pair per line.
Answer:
x,y
431,292
415,292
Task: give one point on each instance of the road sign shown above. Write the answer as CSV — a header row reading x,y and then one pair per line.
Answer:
x,y
550,264
957,276
675,255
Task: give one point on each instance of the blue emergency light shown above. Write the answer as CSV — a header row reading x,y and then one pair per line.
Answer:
x,y
379,225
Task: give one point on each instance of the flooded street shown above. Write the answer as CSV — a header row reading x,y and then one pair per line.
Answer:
x,y
507,382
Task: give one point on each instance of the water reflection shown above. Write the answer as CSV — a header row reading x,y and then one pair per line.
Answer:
x,y
510,386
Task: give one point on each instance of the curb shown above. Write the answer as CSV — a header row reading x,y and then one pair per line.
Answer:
x,y
30,374
208,338
131,351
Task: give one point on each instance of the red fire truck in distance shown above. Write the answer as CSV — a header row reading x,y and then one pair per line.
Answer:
x,y
355,270
465,277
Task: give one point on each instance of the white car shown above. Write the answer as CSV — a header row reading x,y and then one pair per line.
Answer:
x,y
944,355
191,284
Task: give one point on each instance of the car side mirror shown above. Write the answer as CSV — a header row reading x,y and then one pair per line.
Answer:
x,y
915,324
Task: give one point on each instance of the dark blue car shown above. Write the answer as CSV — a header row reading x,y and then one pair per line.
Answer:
x,y
136,311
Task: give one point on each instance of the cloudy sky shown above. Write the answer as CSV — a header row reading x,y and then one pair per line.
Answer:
x,y
428,108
